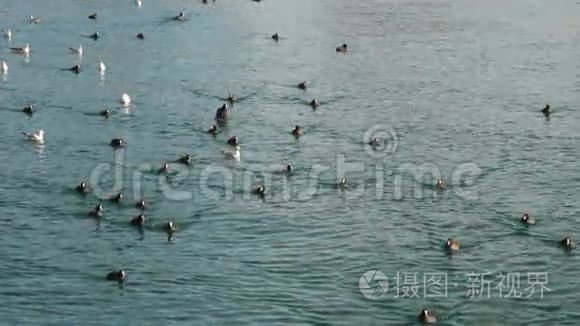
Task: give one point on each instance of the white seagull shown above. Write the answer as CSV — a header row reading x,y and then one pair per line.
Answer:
x,y
7,33
4,67
234,154
78,51
35,20
138,3
24,50
102,67
37,136
125,99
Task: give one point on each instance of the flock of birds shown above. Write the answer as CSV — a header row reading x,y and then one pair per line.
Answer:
x,y
221,117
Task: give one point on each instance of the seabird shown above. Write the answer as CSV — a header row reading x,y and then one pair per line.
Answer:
x,y
427,317
185,159
342,48
105,113
35,20
141,204
180,17
125,99
138,220
97,211
4,67
78,50
75,69
141,36
117,142
547,110
212,130
102,67
28,109
233,154
95,36
7,33
93,16
37,136
116,198
297,131
23,50
234,141
83,188
118,276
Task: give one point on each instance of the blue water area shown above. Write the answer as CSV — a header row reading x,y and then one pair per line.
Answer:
x,y
453,89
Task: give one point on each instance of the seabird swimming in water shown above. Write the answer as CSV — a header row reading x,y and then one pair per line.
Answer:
x,y
375,141
231,98
93,16
141,36
138,221
427,317
78,50
185,159
342,183
440,184
116,198
83,188
141,204
314,103
76,69
275,37
23,50
567,243
451,245
170,229
28,109
221,114
35,20
297,131
4,67
117,142
342,48
105,113
37,136
233,154
234,141
7,33
527,219
118,276
95,36
164,168
125,99
547,111
212,130
260,191
102,67
97,211
180,17
302,85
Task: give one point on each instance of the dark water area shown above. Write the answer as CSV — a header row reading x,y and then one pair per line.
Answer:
x,y
454,88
